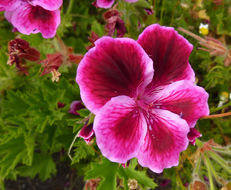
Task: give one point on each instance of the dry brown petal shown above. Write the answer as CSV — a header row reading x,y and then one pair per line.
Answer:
x,y
198,185
52,62
55,75
92,184
132,184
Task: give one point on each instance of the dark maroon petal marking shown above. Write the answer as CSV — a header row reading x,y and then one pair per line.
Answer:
x,y
120,129
113,67
166,138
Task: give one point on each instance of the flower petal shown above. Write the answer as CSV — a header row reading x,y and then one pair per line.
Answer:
x,y
120,129
193,135
183,98
169,52
87,133
50,5
75,106
166,138
7,4
104,3
113,67
28,19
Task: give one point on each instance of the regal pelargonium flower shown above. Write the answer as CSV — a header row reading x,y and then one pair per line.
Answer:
x,y
33,16
143,95
108,3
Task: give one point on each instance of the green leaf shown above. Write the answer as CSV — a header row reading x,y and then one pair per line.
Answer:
x,y
109,172
43,165
82,151
12,152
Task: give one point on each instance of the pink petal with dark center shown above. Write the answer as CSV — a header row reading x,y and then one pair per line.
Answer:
x,y
169,52
50,5
87,133
120,128
113,67
166,138
183,98
193,135
29,19
104,3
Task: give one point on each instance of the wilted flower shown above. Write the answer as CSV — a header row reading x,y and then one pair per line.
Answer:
x,y
198,185
33,16
139,113
132,184
108,3
92,39
212,45
51,65
19,50
114,22
92,184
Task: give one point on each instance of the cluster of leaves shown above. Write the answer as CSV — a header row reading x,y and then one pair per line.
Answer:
x,y
36,132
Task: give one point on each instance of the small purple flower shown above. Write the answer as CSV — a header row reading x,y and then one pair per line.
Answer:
x,y
33,16
108,3
140,113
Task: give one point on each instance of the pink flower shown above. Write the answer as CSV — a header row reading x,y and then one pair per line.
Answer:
x,y
33,16
143,95
108,3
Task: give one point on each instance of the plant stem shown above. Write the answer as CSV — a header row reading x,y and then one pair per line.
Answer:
x,y
197,167
206,160
222,151
71,3
219,160
212,169
72,144
220,108
216,115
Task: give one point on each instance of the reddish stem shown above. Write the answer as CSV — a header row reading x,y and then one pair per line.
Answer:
x,y
216,115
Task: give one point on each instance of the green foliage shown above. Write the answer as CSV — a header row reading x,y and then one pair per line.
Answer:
x,y
34,129
82,151
43,165
109,173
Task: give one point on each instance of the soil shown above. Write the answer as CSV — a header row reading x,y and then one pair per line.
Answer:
x,y
65,179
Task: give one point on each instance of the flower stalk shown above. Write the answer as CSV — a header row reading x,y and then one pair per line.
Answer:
x,y
216,115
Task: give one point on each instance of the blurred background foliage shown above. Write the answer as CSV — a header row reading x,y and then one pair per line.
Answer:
x,y
37,129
